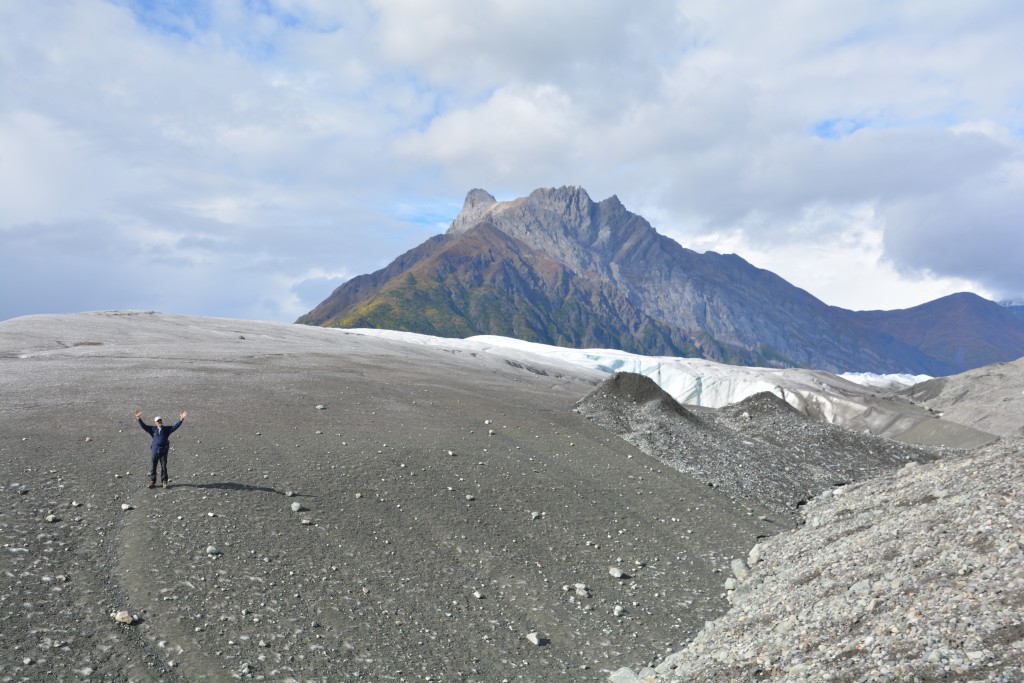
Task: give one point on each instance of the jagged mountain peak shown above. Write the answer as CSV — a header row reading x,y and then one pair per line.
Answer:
x,y
592,239
567,209
474,209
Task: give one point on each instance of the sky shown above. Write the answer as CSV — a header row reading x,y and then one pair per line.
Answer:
x,y
242,158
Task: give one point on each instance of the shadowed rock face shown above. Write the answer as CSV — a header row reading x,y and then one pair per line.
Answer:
x,y
449,503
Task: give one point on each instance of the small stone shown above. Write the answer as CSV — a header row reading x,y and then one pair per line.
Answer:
x,y
123,617
740,569
320,406
619,610
470,496
624,675
478,595
536,515
75,504
537,638
52,518
212,550
125,507
307,522
617,573
289,494
296,507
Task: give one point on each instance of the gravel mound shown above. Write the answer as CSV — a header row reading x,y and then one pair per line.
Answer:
x,y
914,576
760,449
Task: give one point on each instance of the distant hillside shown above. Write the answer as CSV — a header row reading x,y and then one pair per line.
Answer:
x,y
962,331
558,268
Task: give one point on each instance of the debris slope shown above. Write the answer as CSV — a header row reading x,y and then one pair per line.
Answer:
x,y
913,576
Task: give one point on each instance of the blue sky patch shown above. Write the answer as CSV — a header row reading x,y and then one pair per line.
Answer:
x,y
184,18
837,128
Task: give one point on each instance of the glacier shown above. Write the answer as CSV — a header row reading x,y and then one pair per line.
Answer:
x,y
857,400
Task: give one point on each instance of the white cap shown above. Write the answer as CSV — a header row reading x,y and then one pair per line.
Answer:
x,y
158,419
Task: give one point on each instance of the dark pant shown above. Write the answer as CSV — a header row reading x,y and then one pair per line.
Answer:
x,y
162,459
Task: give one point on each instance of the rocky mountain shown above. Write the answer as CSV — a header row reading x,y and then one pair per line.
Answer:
x,y
558,268
1015,307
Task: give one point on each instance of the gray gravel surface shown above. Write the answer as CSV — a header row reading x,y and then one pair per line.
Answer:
x,y
457,520
914,576
989,398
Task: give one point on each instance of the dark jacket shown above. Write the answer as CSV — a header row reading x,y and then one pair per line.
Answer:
x,y
161,441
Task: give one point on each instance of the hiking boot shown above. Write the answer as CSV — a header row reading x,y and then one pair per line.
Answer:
x,y
165,484
152,485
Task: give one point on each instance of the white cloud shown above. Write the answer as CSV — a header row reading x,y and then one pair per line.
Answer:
x,y
288,137
519,134
849,269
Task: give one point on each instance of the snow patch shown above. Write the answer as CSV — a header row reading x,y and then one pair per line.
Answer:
x,y
845,400
890,382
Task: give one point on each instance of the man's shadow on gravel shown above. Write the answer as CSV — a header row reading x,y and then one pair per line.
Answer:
x,y
229,486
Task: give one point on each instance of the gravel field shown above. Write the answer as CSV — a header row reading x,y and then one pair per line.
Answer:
x,y
457,520
351,508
